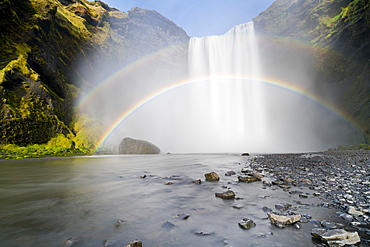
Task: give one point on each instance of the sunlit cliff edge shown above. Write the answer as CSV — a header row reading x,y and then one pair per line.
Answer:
x,y
51,48
48,52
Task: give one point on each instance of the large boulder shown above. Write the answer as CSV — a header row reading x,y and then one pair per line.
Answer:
x,y
132,146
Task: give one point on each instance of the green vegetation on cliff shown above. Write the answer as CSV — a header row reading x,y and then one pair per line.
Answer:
x,y
49,51
338,32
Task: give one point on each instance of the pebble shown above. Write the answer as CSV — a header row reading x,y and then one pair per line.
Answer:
x,y
134,243
238,206
230,173
246,223
201,233
108,242
71,241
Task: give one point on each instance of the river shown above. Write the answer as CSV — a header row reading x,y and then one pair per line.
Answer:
x,y
43,202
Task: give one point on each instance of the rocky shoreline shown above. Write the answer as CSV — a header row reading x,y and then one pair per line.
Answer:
x,y
308,199
341,179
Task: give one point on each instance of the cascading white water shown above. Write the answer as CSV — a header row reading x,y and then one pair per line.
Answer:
x,y
230,62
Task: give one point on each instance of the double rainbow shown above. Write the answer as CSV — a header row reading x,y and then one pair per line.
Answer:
x,y
267,81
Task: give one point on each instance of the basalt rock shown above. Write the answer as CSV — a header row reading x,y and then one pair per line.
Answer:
x,y
132,146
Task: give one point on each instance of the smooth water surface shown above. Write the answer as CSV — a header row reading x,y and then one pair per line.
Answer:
x,y
43,202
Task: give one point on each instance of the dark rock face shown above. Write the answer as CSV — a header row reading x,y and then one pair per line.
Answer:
x,y
51,49
132,146
341,70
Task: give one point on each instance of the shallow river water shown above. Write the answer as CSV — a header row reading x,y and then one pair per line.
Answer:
x,y
43,202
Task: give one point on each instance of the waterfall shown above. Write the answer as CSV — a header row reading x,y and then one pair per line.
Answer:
x,y
230,63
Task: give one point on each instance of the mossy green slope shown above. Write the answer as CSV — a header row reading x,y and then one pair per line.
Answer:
x,y
48,51
339,33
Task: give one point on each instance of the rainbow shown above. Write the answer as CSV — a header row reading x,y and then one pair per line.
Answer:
x,y
268,81
129,68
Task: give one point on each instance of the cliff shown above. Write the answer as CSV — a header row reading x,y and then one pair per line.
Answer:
x,y
49,51
332,38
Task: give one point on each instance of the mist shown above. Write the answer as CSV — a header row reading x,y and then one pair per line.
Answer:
x,y
227,94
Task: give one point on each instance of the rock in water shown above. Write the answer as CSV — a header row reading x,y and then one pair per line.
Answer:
x,y
212,176
71,241
134,243
282,221
167,224
226,195
248,179
132,146
336,237
246,224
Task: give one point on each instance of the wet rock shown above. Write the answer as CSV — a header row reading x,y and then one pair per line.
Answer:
x,y
230,173
329,225
71,241
346,217
288,180
119,223
197,181
108,242
308,216
226,195
183,216
212,176
303,219
134,243
167,224
336,237
277,182
353,211
248,179
283,208
201,233
282,221
245,154
297,226
238,206
257,175
267,209
246,223
246,170
259,235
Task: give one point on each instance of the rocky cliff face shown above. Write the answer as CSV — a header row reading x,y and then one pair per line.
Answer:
x,y
334,38
132,146
50,48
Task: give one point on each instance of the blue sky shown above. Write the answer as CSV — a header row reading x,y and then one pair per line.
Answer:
x,y
200,17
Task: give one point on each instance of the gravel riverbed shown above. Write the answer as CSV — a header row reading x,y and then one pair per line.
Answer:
x,y
341,179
